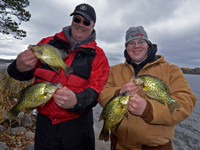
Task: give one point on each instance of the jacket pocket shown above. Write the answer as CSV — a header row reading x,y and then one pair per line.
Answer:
x,y
43,75
77,84
121,132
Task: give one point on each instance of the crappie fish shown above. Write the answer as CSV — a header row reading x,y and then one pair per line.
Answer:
x,y
158,90
33,96
52,57
113,113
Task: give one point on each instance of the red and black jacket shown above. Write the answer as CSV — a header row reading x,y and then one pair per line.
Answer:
x,y
90,71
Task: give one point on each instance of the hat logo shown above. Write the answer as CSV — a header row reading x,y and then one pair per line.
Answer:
x,y
139,35
83,7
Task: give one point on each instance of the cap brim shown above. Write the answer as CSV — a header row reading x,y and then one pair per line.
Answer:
x,y
82,14
136,38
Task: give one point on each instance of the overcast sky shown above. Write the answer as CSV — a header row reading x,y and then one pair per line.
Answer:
x,y
173,25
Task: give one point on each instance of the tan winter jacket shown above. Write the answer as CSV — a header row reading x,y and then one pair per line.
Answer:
x,y
135,131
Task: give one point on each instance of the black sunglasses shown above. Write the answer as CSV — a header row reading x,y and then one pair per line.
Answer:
x,y
77,20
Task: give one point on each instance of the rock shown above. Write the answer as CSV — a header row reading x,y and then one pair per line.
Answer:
x,y
29,147
30,134
16,130
20,115
2,129
26,121
34,112
3,146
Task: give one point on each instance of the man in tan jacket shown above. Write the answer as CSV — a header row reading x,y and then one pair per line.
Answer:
x,y
149,125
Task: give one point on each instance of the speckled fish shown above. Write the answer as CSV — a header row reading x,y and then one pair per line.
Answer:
x,y
33,96
158,90
51,56
113,113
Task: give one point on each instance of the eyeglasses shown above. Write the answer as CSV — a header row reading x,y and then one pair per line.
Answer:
x,y
77,20
139,43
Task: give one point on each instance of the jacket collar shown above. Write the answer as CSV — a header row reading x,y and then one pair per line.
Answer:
x,y
67,33
151,58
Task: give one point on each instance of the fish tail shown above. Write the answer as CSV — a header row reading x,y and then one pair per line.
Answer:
x,y
173,107
104,135
67,70
12,113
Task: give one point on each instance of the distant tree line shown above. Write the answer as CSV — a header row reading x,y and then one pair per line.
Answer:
x,y
191,71
6,60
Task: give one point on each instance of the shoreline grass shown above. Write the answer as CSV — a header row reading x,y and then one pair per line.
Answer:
x,y
9,87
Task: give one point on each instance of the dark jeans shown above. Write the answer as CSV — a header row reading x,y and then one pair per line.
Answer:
x,y
75,134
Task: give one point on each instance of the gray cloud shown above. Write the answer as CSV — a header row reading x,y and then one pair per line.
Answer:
x,y
172,25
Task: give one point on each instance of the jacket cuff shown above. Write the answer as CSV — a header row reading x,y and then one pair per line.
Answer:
x,y
85,100
16,74
77,107
117,92
147,115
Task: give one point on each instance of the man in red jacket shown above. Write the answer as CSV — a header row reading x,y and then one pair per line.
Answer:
x,y
66,121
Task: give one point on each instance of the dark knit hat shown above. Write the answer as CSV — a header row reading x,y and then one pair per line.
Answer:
x,y
136,33
86,11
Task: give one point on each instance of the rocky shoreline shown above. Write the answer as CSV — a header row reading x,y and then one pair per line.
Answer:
x,y
26,122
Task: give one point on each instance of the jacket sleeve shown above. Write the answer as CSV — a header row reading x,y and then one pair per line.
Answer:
x,y
182,93
147,115
99,74
14,73
110,89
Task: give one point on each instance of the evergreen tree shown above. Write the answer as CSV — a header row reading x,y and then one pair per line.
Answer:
x,y
9,10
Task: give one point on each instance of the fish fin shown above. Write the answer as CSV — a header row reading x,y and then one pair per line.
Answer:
x,y
173,107
146,88
119,95
56,69
126,114
104,135
67,70
28,110
115,127
29,47
101,118
59,85
12,113
44,103
63,53
42,96
142,93
167,86
132,78
129,94
19,94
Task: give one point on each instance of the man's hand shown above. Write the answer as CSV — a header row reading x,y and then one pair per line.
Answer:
x,y
131,87
26,61
65,98
137,105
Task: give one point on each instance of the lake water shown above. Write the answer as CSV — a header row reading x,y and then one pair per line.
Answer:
x,y
187,133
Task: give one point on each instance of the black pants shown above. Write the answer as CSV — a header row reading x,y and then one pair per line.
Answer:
x,y
75,134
